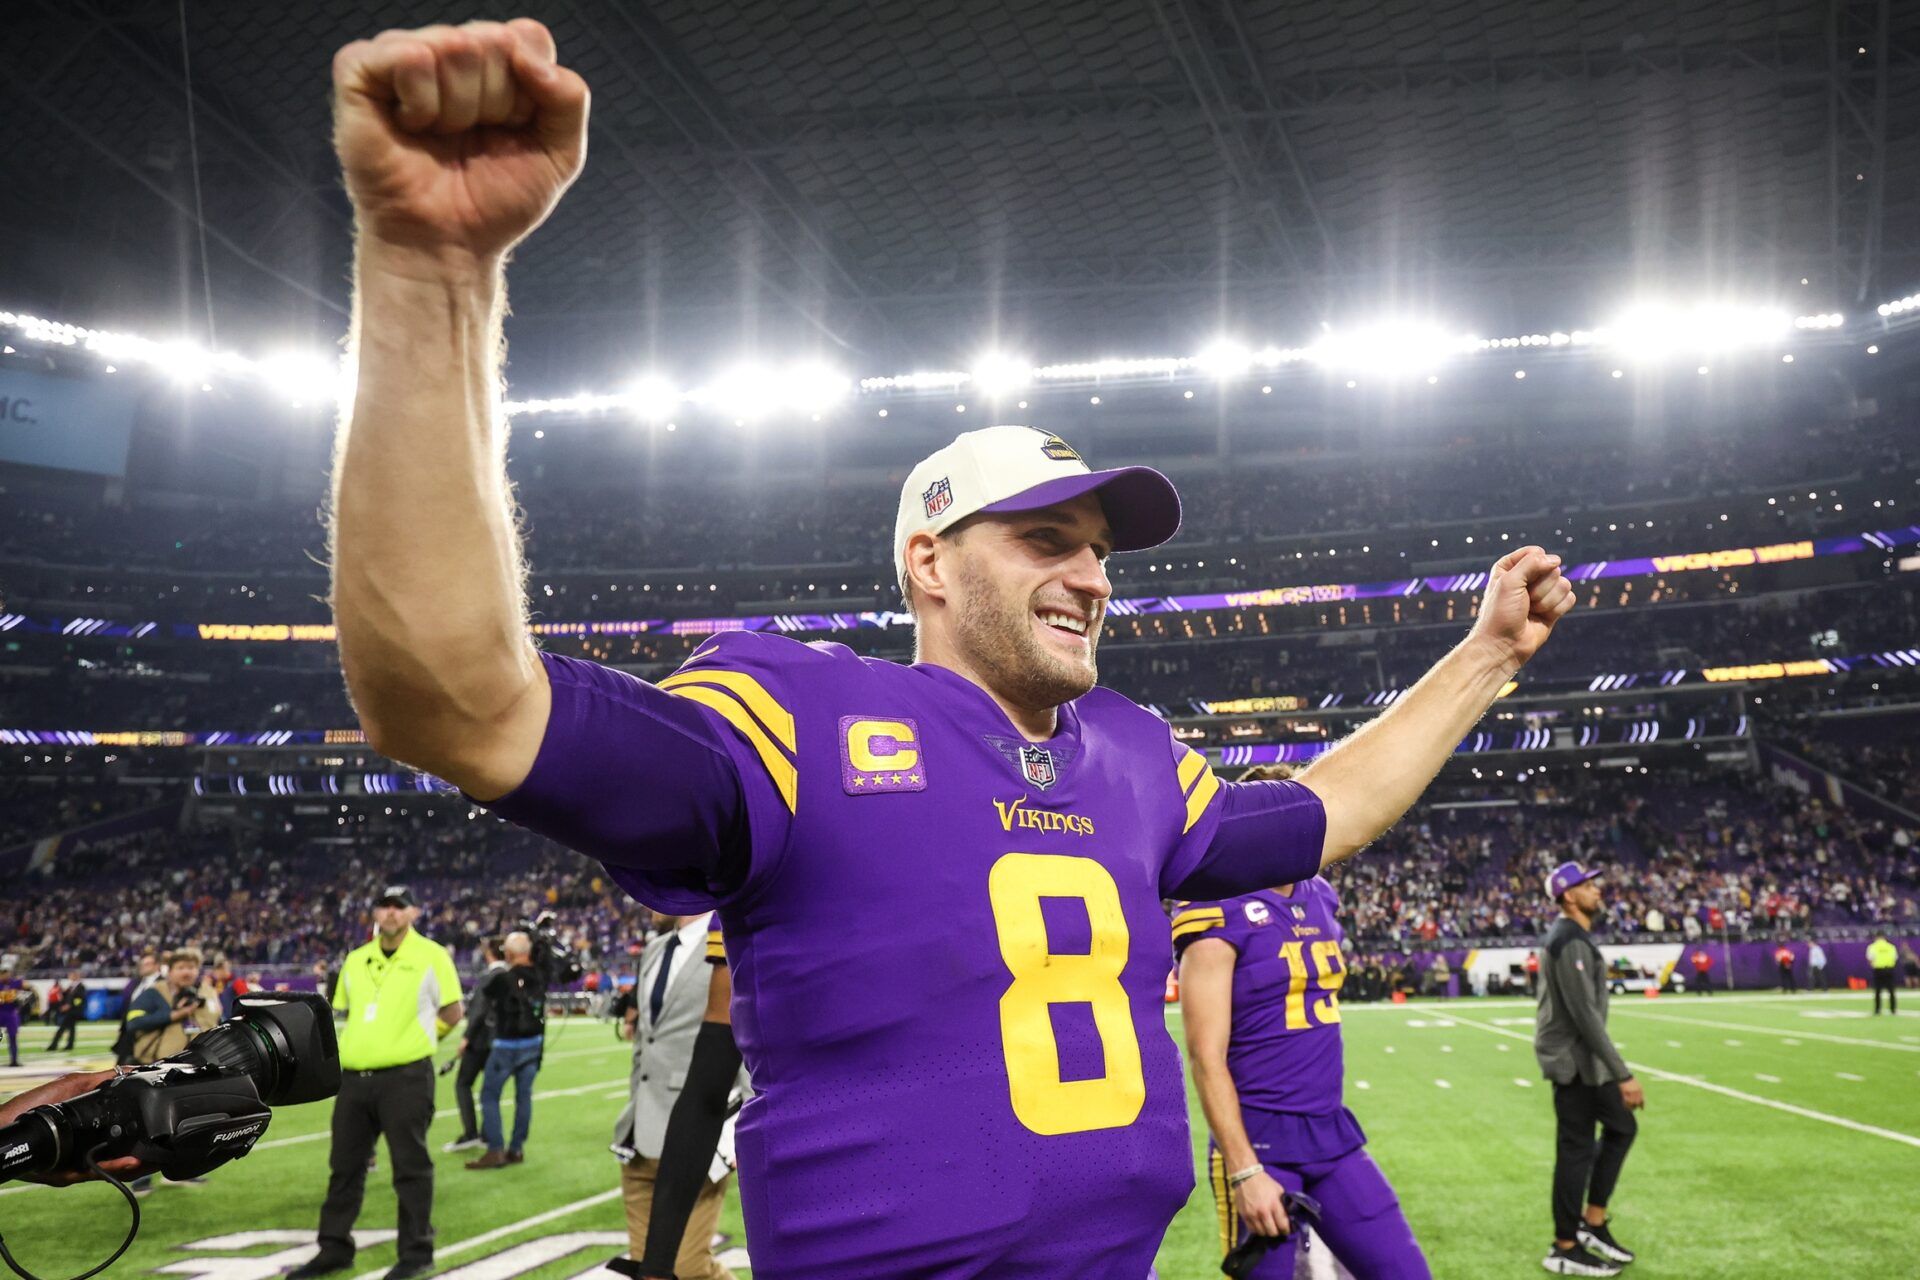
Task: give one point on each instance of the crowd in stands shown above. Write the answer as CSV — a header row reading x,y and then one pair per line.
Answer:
x,y
290,898
1725,854
1733,855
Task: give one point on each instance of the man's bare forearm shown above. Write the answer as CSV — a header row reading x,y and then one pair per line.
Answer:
x,y
1220,1102
1374,776
427,583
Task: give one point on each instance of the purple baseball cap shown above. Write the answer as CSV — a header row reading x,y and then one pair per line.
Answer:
x,y
1567,875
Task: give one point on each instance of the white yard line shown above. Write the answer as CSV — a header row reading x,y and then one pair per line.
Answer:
x,y
1892,1135
443,1252
1789,1036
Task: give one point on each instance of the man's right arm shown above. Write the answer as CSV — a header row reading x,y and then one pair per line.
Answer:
x,y
455,143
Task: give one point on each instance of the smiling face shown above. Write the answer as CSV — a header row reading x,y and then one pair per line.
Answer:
x,y
1015,601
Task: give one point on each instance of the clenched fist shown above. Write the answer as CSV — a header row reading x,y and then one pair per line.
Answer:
x,y
457,140
1525,596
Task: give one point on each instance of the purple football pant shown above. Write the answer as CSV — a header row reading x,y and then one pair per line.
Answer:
x,y
1360,1220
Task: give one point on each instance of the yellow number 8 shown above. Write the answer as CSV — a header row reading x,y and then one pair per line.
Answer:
x,y
1042,1101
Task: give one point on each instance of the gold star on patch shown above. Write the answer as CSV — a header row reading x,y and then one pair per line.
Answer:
x,y
913,777
859,782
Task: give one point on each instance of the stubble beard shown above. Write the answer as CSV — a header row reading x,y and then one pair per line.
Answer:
x,y
996,635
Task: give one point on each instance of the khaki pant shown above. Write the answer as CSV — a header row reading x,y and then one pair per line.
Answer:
x,y
696,1260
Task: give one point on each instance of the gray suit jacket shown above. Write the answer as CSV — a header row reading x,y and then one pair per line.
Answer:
x,y
662,1050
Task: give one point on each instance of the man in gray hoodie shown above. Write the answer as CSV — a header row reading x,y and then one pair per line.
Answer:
x,y
1592,1084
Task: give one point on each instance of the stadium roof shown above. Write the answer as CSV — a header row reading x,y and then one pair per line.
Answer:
x,y
890,182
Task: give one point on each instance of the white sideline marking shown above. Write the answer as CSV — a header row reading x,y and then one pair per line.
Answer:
x,y
1794,1038
1734,1043
1675,1044
1361,1084
1697,1082
1502,1048
1389,1048
488,1237
1522,1082
1848,1075
1446,1048
1442,1084
1768,1079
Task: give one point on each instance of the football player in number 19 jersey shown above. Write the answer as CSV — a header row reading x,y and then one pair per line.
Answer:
x,y
1260,978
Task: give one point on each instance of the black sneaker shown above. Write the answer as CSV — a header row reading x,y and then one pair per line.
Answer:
x,y
1578,1262
1600,1240
319,1265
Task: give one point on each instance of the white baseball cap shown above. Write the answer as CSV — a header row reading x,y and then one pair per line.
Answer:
x,y
1014,468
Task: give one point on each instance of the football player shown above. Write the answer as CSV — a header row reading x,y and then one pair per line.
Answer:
x,y
972,1077
1260,978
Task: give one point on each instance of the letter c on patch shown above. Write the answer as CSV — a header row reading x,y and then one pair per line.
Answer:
x,y
873,745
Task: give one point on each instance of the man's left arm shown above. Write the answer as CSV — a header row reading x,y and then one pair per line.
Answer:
x,y
1374,776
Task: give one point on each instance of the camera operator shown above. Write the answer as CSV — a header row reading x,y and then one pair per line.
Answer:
x,y
64,1089
516,1013
166,1014
398,993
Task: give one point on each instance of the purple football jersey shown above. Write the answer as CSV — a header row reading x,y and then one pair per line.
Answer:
x,y
947,945
1284,1050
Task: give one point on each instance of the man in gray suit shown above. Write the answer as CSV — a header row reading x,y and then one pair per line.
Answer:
x,y
1592,1084
682,974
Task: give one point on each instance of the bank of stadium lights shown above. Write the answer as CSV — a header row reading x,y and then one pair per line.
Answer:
x,y
750,392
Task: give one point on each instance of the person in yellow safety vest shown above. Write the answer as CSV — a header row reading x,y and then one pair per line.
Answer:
x,y
1882,956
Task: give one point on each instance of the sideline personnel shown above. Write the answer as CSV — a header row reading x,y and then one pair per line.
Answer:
x,y
1591,1082
516,998
399,994
667,1134
1882,957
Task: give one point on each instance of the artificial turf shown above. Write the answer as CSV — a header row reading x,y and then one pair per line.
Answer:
x,y
1824,1183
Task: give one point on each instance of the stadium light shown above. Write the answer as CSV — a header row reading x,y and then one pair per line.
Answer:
x,y
654,398
1224,358
1389,348
997,374
1658,330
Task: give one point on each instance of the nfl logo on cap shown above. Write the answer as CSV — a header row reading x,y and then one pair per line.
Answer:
x,y
937,498
1037,764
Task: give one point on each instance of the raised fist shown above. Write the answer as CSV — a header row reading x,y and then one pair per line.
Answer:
x,y
457,140
1525,596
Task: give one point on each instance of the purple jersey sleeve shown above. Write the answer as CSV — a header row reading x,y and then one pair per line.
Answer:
x,y
1196,920
1241,836
681,789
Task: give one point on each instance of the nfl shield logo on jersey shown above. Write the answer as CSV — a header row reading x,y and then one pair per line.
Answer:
x,y
938,497
1036,763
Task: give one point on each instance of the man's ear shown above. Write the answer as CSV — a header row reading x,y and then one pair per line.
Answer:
x,y
926,570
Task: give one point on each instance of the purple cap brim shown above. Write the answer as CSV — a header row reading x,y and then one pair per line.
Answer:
x,y
1142,505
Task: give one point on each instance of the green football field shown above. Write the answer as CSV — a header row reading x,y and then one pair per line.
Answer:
x,y
1782,1138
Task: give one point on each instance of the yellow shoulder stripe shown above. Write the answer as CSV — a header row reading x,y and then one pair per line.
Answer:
x,y
1201,795
750,691
1197,926
1191,765
716,945
1199,913
785,777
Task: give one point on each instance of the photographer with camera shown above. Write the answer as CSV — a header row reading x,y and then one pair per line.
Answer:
x,y
167,1013
181,1115
516,1014
398,995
